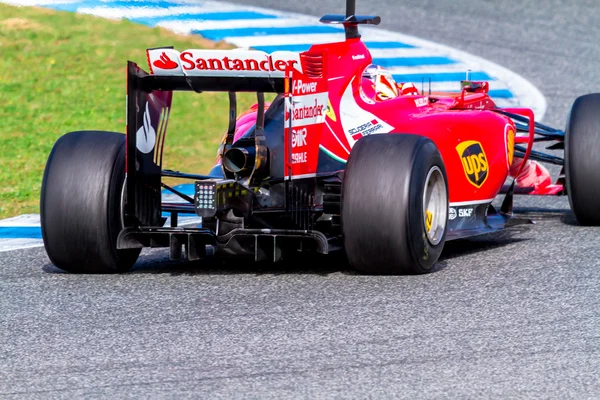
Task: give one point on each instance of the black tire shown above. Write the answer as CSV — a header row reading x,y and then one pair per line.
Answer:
x,y
582,159
80,205
382,205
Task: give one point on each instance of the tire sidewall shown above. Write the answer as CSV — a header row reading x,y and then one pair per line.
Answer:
x,y
81,203
581,154
425,254
382,204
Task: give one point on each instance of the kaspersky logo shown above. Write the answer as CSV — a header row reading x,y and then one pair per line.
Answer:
x,y
474,162
145,137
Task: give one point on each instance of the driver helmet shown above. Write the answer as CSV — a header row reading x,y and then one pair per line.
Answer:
x,y
383,82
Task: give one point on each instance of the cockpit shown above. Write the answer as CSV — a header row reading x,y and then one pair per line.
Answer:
x,y
378,84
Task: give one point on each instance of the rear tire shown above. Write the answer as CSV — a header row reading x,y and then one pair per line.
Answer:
x,y
81,203
582,159
392,184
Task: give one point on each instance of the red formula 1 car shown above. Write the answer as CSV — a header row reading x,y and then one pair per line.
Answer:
x,y
342,158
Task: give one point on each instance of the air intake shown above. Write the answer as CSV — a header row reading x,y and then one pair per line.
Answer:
x,y
312,63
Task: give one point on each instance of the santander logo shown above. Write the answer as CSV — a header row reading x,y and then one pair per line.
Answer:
x,y
234,63
164,62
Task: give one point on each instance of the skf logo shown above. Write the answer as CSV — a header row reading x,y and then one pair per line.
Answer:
x,y
465,212
510,144
474,162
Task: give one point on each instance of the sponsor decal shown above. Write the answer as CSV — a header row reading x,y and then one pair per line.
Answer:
x,y
299,158
314,111
164,62
452,213
200,62
365,129
358,57
226,63
474,162
356,121
510,144
304,88
145,137
299,140
305,112
330,112
299,137
421,102
465,212
308,109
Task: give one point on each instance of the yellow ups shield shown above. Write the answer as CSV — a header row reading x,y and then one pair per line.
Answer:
x,y
474,162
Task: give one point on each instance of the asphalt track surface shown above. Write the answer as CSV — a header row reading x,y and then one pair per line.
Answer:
x,y
515,315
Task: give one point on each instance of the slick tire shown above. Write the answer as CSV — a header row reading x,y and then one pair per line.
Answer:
x,y
582,159
394,205
81,203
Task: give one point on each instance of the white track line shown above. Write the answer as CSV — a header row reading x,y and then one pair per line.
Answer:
x,y
199,25
21,220
17,244
404,52
147,12
274,40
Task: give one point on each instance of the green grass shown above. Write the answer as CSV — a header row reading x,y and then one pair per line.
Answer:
x,y
61,72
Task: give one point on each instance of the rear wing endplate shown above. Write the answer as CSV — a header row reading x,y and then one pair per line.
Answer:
x,y
149,98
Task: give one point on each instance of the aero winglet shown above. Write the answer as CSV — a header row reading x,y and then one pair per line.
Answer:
x,y
351,20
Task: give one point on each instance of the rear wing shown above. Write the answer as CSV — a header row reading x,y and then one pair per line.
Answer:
x,y
219,70
149,98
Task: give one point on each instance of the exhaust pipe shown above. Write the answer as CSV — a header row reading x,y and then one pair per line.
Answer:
x,y
238,159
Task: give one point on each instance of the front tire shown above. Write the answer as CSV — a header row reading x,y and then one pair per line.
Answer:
x,y
582,159
81,203
394,204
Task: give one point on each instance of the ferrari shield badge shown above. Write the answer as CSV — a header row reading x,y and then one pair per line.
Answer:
x,y
474,162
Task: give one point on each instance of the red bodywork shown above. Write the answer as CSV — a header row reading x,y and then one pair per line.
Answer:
x,y
451,120
283,171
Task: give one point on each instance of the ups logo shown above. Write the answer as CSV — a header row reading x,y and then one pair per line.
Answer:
x,y
474,162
